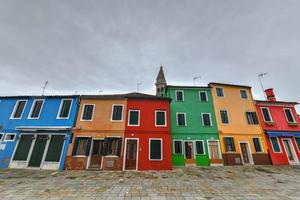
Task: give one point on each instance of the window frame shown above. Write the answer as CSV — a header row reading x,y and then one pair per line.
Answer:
x,y
295,138
182,91
294,120
185,120
181,147
227,117
139,117
32,108
112,113
222,92
15,109
233,144
165,113
161,148
211,123
269,113
260,144
252,112
116,147
5,140
82,112
278,145
3,134
206,95
85,137
241,91
60,107
195,147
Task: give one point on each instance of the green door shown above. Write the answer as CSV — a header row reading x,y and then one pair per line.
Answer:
x,y
38,151
23,148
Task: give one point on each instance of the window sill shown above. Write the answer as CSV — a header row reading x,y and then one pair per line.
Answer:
x,y
270,123
80,156
294,124
111,156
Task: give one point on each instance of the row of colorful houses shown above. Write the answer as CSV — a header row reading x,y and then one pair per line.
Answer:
x,y
219,124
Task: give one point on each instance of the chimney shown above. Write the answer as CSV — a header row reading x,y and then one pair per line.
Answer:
x,y
270,94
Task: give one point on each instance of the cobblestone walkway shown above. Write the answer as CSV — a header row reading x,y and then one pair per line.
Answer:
x,y
253,183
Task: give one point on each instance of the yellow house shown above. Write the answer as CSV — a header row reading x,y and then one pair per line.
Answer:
x,y
241,136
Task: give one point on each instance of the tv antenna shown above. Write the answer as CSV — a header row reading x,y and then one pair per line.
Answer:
x,y
44,88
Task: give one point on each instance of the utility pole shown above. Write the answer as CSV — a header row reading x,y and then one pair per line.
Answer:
x,y
44,88
260,76
195,78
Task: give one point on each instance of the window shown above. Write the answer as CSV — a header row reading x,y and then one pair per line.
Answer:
x,y
257,145
117,113
19,109
252,118
155,149
160,118
181,119
178,147
199,147
206,119
87,114
134,118
82,146
112,146
244,94
298,143
65,108
229,144
203,96
220,92
224,116
266,114
1,136
275,145
289,115
179,95
36,109
10,137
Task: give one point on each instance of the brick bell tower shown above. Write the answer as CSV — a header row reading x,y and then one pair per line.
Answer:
x,y
161,82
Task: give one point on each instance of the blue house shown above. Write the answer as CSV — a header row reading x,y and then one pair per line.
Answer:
x,y
35,131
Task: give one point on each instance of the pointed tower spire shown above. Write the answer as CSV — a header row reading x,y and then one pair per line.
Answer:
x,y
160,82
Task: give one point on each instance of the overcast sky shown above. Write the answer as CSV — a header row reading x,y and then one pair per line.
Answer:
x,y
110,46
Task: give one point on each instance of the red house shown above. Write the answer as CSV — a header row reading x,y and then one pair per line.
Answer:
x,y
282,129
147,133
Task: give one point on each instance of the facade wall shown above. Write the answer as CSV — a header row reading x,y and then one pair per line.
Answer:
x,y
100,127
194,130
238,127
147,130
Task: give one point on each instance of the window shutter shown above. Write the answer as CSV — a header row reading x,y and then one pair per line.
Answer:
x,y
75,146
105,146
119,147
88,146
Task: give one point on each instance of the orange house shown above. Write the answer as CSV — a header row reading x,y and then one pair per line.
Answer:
x,y
241,136
98,135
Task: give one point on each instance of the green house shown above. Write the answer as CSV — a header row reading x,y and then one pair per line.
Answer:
x,y
195,139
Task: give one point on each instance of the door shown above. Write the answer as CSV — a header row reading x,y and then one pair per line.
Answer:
x,y
55,148
96,154
131,154
189,152
214,152
245,153
23,148
38,151
290,152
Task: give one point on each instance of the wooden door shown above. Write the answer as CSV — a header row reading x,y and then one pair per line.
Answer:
x,y
96,154
214,152
288,150
189,153
131,155
245,153
38,151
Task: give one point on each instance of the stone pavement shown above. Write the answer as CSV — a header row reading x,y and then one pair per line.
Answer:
x,y
215,183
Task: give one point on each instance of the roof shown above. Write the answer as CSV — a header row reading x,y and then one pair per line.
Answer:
x,y
133,95
40,96
229,84
275,102
187,86
161,76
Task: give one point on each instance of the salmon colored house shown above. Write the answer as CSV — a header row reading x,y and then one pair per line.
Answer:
x,y
281,125
98,134
241,136
147,133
